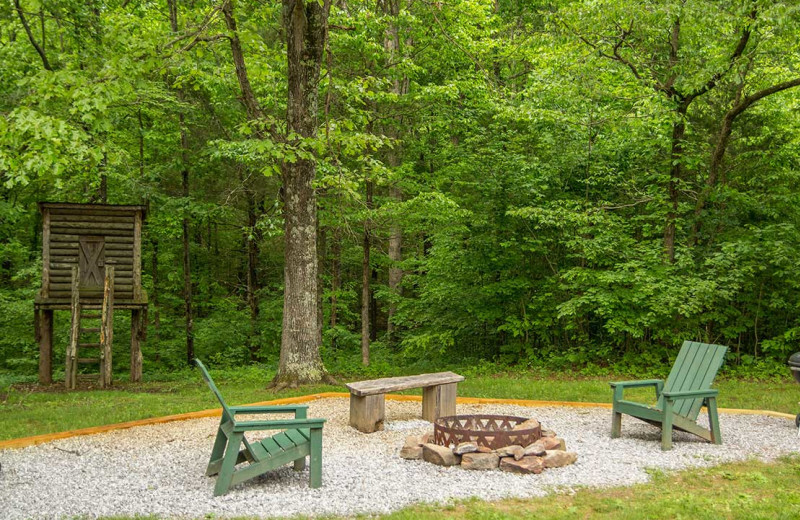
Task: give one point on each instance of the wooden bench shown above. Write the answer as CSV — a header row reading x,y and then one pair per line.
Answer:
x,y
367,404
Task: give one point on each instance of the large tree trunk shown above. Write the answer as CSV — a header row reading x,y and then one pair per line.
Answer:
x,y
366,292
305,22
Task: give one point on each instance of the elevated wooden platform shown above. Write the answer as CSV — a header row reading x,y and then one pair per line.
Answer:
x,y
89,238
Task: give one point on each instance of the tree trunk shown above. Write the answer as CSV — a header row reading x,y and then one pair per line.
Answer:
x,y
395,256
676,156
251,243
306,25
336,275
154,303
391,44
187,273
187,268
366,271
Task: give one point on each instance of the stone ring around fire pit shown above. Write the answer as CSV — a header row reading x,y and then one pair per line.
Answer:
x,y
491,431
485,442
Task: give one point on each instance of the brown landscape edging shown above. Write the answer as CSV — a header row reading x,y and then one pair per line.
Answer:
x,y
48,437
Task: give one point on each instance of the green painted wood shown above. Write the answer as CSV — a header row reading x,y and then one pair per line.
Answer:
x,y
695,368
302,438
259,468
293,424
297,437
258,451
272,447
213,387
681,398
284,441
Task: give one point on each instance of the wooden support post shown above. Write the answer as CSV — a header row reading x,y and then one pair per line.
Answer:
x,y
107,327
367,412
137,323
71,369
44,335
439,401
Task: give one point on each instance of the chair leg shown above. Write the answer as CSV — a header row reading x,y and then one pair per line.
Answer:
x,y
300,464
666,426
315,477
228,464
616,424
713,420
216,454
616,417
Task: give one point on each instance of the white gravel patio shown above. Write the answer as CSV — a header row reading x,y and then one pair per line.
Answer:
x,y
159,470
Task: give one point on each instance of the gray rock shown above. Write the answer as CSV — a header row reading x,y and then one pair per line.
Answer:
x,y
550,443
535,449
559,459
480,461
515,451
525,465
413,440
439,455
465,447
411,452
530,424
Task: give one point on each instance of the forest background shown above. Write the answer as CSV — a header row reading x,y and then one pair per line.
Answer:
x,y
575,185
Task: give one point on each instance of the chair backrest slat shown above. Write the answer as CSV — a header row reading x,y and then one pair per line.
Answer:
x,y
695,368
213,387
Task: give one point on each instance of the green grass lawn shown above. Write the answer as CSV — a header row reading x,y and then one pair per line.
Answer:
x,y
748,490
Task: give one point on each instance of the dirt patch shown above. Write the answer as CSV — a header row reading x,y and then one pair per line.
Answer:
x,y
89,386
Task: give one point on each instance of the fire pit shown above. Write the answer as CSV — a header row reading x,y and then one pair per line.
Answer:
x,y
491,431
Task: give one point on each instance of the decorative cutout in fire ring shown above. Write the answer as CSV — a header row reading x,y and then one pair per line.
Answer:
x,y
491,431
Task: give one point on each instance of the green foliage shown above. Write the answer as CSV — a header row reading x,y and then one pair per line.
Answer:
x,y
524,149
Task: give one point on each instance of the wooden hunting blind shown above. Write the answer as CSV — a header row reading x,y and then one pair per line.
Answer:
x,y
91,266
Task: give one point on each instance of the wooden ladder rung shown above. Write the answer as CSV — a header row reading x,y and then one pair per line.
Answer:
x,y
90,329
91,316
88,360
90,345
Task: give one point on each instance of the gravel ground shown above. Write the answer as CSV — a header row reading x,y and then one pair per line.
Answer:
x,y
159,469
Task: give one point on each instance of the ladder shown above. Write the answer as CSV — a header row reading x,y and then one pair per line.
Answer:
x,y
91,332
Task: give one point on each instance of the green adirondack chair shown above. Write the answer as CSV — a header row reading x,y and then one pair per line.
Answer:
x,y
679,400
302,437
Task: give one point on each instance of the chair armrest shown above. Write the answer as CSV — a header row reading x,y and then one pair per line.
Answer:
x,y
690,394
287,408
635,384
289,424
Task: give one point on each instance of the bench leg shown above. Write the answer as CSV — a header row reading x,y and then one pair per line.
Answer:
x,y
439,401
616,424
367,412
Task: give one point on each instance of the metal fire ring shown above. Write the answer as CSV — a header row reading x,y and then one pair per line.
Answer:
x,y
491,431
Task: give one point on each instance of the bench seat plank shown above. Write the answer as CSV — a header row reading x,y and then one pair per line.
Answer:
x,y
395,384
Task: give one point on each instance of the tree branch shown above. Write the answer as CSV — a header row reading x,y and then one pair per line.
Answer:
x,y
737,53
27,27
